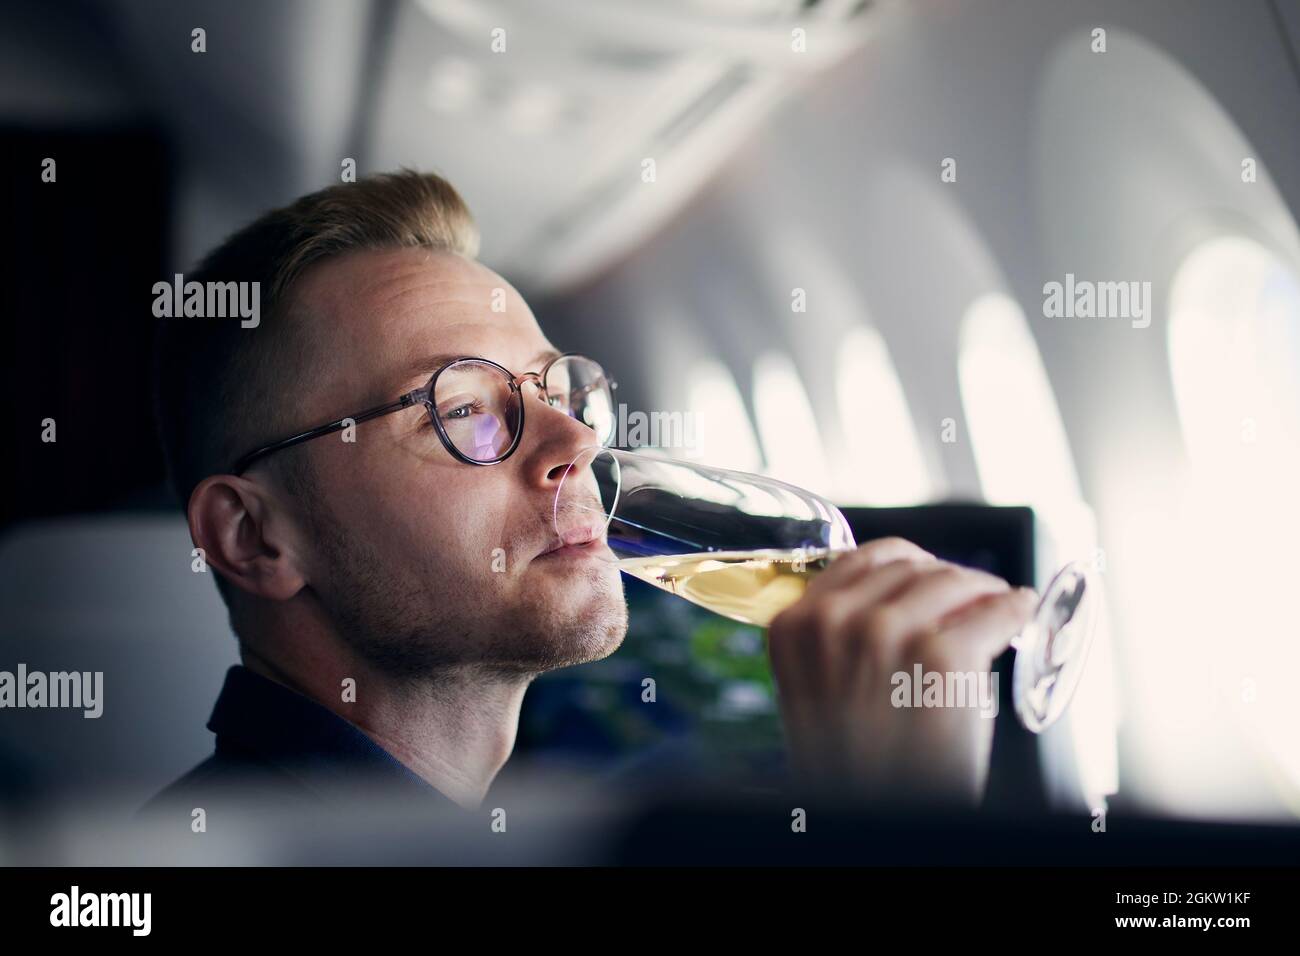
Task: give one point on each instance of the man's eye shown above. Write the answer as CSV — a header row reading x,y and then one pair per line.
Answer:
x,y
461,411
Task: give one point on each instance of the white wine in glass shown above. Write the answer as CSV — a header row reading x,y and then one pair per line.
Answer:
x,y
746,546
747,586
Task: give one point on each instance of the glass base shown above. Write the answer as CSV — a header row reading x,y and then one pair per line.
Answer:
x,y
1053,647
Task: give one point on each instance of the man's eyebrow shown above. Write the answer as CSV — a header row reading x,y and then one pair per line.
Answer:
x,y
428,364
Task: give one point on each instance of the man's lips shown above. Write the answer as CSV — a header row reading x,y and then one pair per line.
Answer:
x,y
571,550
574,542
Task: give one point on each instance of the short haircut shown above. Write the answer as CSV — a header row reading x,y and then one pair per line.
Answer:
x,y
218,386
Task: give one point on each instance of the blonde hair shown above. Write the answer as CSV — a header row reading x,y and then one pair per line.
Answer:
x,y
216,385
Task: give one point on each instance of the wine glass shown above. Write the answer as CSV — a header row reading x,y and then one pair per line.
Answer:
x,y
746,546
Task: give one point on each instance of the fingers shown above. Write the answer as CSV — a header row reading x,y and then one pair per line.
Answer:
x,y
892,601
854,564
934,594
985,628
906,627
873,613
832,634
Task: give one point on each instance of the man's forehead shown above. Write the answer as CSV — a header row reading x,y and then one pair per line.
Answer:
x,y
394,312
385,283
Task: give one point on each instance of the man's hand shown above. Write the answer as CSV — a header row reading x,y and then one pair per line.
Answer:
x,y
871,614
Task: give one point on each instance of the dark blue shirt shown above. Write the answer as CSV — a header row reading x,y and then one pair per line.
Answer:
x,y
280,749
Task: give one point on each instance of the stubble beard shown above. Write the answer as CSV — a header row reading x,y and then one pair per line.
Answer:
x,y
418,624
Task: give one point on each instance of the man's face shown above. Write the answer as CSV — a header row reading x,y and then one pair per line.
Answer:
x,y
422,560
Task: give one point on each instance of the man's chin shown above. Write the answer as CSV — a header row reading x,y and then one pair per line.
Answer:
x,y
598,645
581,619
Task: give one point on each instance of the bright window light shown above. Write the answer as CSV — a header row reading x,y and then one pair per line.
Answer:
x,y
723,431
787,426
879,433
1023,458
1234,353
1016,432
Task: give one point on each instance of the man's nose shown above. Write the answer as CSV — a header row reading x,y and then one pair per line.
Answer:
x,y
552,440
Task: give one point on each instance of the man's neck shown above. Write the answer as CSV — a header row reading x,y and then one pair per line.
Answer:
x,y
455,728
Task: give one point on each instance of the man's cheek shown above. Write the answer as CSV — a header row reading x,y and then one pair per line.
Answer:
x,y
456,525
484,556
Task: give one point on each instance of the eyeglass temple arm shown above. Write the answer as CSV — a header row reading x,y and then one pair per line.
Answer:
x,y
406,401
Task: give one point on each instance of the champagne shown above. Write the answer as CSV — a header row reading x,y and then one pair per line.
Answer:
x,y
751,587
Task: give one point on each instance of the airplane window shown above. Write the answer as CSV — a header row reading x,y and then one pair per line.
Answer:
x,y
723,432
786,424
1191,488
1016,432
879,432
1234,354
1023,457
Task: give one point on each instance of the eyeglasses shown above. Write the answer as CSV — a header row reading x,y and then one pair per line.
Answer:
x,y
477,407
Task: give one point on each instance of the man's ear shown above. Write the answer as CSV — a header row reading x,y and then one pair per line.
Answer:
x,y
246,536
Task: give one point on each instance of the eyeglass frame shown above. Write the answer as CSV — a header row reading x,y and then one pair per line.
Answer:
x,y
424,396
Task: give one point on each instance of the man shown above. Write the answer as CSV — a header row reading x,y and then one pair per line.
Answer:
x,y
370,472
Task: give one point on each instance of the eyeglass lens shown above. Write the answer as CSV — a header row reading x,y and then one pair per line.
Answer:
x,y
481,414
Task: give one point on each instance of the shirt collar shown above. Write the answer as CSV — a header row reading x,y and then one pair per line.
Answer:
x,y
304,738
